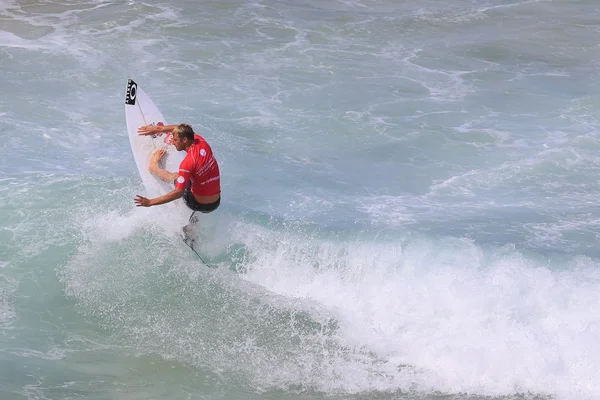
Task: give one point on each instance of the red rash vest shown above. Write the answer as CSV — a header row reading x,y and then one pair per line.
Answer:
x,y
200,167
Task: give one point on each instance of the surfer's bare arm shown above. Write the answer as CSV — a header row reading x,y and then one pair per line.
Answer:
x,y
156,170
164,176
153,129
142,201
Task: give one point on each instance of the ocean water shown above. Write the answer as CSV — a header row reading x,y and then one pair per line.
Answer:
x,y
410,201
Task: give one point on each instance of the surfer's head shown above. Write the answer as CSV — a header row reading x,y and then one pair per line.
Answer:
x,y
183,136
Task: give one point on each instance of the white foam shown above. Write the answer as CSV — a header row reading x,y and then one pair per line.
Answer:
x,y
114,226
463,319
9,39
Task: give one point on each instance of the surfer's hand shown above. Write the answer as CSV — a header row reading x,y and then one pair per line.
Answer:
x,y
148,130
142,201
154,166
157,155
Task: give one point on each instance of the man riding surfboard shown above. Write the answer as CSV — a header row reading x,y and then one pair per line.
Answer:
x,y
198,180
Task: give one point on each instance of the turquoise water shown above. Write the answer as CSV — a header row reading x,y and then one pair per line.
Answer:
x,y
409,201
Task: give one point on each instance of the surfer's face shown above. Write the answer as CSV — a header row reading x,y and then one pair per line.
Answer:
x,y
178,142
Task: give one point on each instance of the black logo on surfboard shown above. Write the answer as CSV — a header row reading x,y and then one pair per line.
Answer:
x,y
131,92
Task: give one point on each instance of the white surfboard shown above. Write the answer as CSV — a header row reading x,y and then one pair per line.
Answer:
x,y
141,110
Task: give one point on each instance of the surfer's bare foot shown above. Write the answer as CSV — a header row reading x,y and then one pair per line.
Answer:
x,y
155,160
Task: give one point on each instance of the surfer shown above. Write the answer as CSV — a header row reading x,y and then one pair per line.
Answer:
x,y
198,180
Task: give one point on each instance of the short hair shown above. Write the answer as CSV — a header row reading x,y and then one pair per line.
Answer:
x,y
184,131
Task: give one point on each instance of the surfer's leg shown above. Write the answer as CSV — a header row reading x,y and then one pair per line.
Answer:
x,y
188,231
155,169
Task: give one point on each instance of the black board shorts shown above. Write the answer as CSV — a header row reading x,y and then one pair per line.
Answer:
x,y
191,202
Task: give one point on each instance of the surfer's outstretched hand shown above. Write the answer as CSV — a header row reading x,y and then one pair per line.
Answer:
x,y
142,201
149,130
